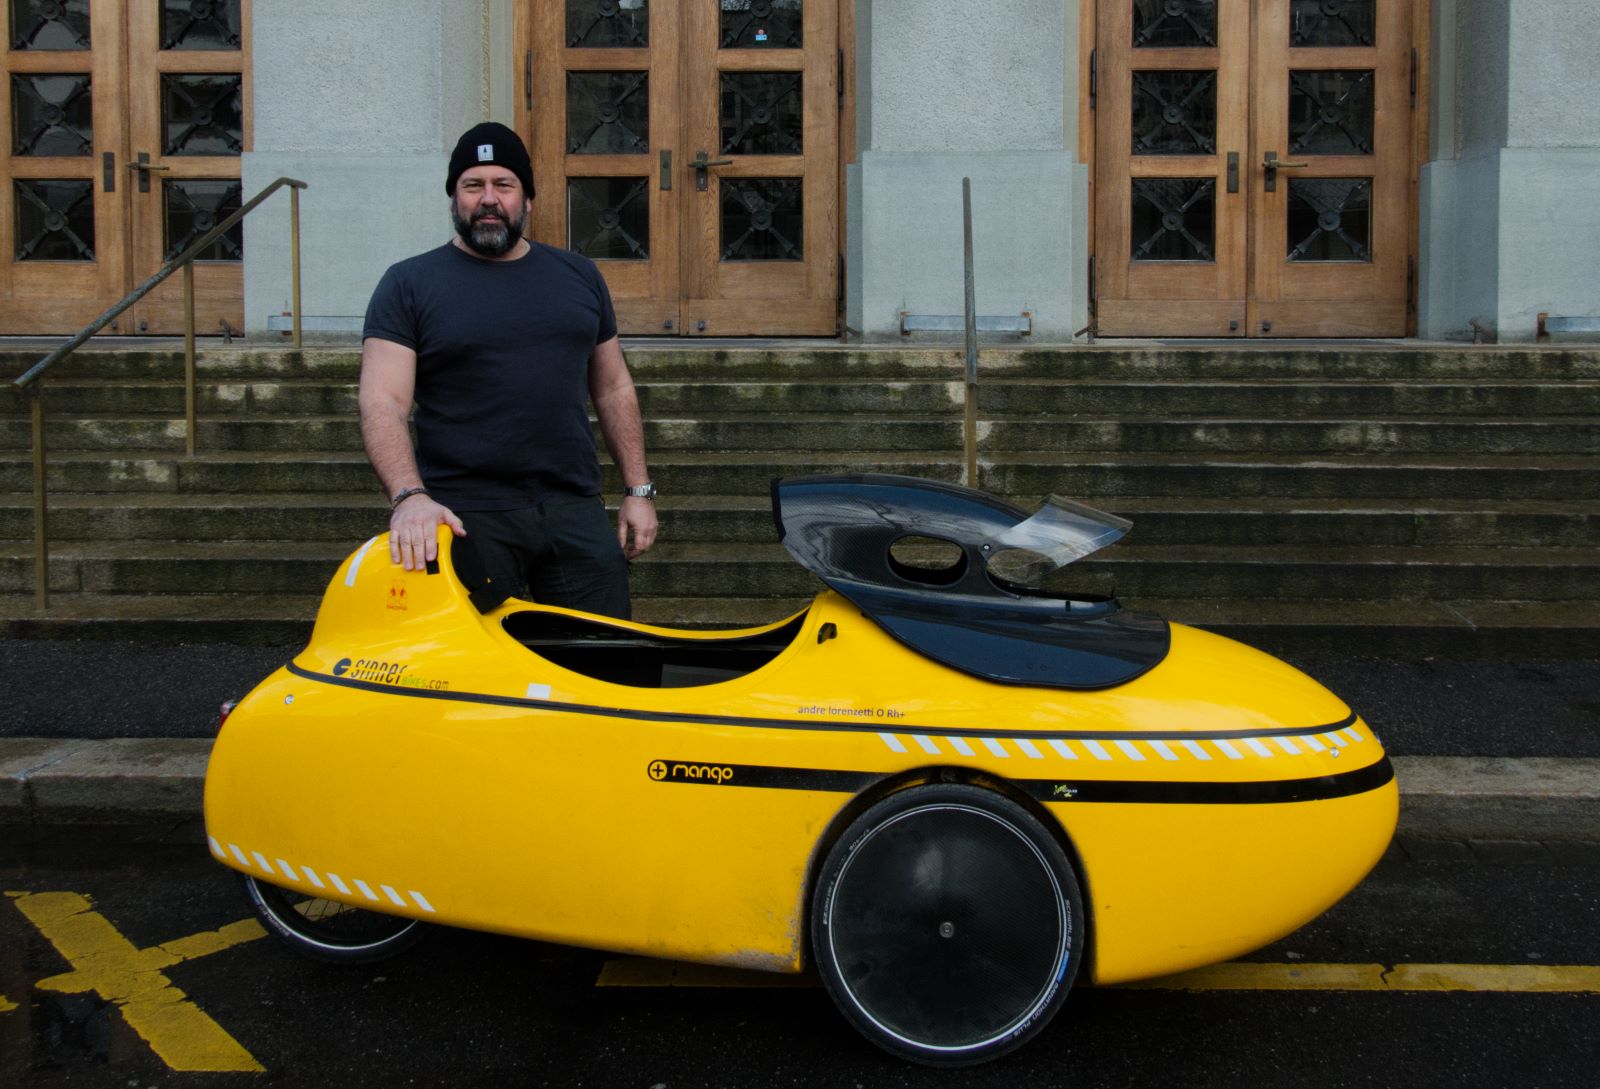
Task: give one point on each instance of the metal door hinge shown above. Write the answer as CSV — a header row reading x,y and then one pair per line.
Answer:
x,y
1093,293
841,278
1413,79
841,80
527,79
1094,77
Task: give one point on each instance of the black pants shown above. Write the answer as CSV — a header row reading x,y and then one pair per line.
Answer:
x,y
560,551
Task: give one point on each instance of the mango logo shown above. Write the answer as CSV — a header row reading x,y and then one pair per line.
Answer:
x,y
661,770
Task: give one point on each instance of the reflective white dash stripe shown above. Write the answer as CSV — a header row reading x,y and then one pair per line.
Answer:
x,y
1316,746
422,902
959,744
1131,749
234,847
1097,750
995,747
1257,747
393,896
927,743
1227,748
1194,747
355,564
1163,748
1353,734
893,742
312,875
365,889
338,884
288,871
216,848
266,867
1063,748
1287,746
1337,739
1028,747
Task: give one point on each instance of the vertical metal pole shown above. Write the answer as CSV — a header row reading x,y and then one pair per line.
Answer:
x,y
971,428
294,257
41,546
188,356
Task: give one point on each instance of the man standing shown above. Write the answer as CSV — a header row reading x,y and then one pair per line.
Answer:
x,y
498,342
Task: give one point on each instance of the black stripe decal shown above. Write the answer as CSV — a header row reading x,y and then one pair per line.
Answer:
x,y
899,727
1261,792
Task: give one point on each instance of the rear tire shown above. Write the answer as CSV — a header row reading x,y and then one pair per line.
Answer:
x,y
330,931
946,924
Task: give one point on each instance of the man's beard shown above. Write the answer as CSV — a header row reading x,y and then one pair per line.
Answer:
x,y
491,237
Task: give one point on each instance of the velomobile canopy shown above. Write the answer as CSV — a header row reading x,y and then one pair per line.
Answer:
x,y
967,616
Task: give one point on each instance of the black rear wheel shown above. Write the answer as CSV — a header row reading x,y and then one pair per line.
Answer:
x,y
328,930
947,924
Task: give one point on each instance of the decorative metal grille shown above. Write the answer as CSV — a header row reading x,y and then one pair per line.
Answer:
x,y
761,219
1330,219
762,24
1175,113
200,24
609,217
1167,24
1174,219
608,113
1332,22
193,208
202,115
606,24
1330,112
761,113
51,115
54,220
49,24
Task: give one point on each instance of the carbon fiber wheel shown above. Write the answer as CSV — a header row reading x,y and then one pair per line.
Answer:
x,y
947,925
327,930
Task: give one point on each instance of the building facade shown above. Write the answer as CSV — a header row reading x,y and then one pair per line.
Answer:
x,y
1151,168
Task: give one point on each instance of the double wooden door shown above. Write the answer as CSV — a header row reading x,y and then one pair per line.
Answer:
x,y
123,122
1253,167
691,148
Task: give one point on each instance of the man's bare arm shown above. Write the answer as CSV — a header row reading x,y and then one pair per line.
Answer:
x,y
616,404
388,381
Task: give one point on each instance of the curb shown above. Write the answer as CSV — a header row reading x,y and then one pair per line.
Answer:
x,y
149,781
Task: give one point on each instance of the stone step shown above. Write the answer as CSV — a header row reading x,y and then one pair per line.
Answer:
x,y
1177,398
1266,361
1030,475
354,516
1407,630
747,569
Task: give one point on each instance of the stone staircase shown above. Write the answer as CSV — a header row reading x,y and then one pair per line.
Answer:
x,y
1379,499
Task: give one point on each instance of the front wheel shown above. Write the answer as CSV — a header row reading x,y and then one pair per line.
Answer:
x,y
947,925
330,931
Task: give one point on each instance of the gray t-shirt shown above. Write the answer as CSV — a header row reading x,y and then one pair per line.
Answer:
x,y
502,387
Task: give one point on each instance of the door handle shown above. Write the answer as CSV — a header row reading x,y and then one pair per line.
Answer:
x,y
144,166
701,164
1272,164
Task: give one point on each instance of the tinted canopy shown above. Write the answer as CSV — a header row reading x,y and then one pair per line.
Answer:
x,y
967,615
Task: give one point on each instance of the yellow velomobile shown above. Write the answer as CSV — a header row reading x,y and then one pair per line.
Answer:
x,y
949,793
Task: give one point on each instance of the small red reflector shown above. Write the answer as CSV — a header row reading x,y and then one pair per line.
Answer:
x,y
224,711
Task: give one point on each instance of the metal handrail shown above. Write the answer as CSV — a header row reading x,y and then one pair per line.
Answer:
x,y
30,385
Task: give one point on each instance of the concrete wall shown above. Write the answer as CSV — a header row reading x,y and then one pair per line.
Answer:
x,y
1511,201
966,88
363,100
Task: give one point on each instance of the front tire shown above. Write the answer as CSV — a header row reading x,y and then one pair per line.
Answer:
x,y
946,924
330,931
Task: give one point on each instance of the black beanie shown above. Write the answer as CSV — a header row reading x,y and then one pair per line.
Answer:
x,y
492,143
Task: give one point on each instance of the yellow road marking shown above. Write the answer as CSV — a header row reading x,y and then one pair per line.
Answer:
x,y
107,963
1233,976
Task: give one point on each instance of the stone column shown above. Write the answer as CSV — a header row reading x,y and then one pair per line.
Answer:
x,y
1510,203
966,88
364,100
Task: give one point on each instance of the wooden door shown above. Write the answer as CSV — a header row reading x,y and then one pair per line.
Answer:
x,y
622,97
124,121
1253,171
63,236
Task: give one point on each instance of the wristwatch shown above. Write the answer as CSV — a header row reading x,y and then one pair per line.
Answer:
x,y
647,490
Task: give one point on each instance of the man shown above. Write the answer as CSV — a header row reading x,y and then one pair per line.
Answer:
x,y
498,341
